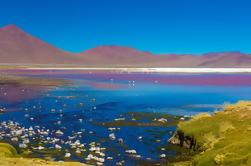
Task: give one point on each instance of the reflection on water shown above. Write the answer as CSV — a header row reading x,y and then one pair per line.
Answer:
x,y
111,116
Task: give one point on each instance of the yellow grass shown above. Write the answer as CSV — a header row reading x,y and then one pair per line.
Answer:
x,y
224,138
9,157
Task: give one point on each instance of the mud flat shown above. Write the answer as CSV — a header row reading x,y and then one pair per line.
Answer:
x,y
15,89
31,81
143,119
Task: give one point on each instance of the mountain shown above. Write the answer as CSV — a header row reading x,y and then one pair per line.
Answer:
x,y
19,47
226,59
220,59
16,46
117,56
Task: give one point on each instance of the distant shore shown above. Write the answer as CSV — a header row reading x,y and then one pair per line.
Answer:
x,y
6,66
156,70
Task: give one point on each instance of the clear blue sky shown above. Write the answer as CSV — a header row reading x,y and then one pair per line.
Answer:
x,y
159,26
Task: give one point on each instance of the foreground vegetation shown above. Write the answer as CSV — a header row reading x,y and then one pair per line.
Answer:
x,y
221,139
9,157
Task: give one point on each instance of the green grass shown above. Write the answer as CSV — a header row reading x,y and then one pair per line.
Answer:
x,y
7,150
223,138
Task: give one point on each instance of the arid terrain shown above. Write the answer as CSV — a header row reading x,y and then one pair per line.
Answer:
x,y
17,47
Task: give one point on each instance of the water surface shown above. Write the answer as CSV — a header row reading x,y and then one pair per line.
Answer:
x,y
94,98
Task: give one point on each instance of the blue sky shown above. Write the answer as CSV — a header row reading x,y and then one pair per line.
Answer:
x,y
158,26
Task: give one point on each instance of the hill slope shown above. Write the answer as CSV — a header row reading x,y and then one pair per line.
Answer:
x,y
222,138
16,46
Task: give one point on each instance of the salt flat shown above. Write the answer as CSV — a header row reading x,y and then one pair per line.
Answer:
x,y
158,70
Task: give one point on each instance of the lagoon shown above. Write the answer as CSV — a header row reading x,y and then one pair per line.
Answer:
x,y
94,104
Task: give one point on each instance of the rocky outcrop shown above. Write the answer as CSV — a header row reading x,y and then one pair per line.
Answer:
x,y
179,138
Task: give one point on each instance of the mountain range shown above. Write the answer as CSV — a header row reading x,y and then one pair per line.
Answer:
x,y
19,47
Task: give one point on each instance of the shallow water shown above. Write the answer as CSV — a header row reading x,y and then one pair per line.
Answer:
x,y
107,96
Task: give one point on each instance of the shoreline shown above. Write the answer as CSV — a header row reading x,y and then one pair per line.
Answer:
x,y
153,70
140,69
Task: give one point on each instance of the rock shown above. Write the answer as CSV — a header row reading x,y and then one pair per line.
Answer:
x,y
91,157
26,141
22,145
182,118
78,151
58,147
131,151
112,136
19,132
58,132
179,138
119,119
109,158
162,156
111,129
94,149
100,154
138,156
119,163
81,104
162,120
14,139
67,155
120,140
40,148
